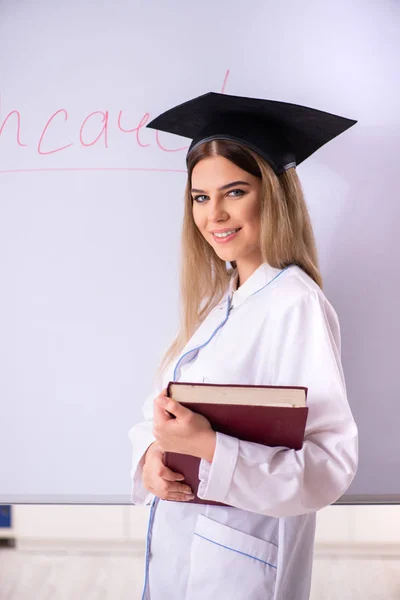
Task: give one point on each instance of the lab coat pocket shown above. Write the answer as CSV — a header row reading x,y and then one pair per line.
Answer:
x,y
230,565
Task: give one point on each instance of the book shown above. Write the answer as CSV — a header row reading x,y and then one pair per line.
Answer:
x,y
264,414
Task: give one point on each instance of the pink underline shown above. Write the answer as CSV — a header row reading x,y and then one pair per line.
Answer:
x,y
93,169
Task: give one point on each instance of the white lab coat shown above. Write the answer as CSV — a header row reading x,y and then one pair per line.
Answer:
x,y
280,330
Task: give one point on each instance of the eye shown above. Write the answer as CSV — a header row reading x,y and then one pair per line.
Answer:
x,y
197,198
241,192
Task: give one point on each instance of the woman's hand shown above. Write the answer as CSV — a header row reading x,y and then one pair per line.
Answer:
x,y
188,433
160,480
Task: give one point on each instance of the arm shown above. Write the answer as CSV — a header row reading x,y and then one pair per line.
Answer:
x,y
303,348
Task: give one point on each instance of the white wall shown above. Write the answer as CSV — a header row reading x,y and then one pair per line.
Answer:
x,y
90,218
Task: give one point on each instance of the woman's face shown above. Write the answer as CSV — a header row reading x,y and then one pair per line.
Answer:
x,y
226,199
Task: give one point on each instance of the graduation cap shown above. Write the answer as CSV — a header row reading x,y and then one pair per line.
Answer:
x,y
283,134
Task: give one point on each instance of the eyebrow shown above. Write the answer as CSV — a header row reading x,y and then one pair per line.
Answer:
x,y
224,187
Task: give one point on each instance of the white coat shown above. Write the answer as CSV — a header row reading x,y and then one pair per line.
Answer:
x,y
276,329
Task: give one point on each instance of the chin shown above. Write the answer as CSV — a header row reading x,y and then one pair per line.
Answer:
x,y
226,256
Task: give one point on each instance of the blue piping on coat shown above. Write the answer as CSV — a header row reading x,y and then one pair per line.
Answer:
x,y
208,341
148,538
234,550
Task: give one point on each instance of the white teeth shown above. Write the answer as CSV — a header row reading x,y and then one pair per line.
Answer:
x,y
222,235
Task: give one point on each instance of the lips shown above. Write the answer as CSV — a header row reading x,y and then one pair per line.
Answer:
x,y
226,239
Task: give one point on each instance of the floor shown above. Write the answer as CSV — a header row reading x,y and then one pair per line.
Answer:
x,y
34,575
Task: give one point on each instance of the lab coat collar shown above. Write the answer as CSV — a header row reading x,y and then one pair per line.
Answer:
x,y
258,279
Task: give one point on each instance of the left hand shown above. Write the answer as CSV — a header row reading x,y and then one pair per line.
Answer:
x,y
188,433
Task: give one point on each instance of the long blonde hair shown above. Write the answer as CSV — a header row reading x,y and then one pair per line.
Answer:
x,y
286,238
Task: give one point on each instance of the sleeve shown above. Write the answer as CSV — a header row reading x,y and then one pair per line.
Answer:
x,y
141,437
303,348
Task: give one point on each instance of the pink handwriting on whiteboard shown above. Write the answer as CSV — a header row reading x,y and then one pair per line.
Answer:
x,y
98,119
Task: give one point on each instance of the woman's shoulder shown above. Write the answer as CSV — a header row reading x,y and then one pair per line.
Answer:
x,y
297,286
299,289
300,282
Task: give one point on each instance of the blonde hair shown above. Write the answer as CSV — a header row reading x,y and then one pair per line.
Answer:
x,y
286,238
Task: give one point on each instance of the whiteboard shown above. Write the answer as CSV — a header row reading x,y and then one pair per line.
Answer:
x,y
91,205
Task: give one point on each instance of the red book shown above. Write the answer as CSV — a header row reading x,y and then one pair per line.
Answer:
x,y
268,415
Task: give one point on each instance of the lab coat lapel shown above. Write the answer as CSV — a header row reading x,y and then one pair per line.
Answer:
x,y
259,279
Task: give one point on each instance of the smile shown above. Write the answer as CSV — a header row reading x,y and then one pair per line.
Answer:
x,y
227,236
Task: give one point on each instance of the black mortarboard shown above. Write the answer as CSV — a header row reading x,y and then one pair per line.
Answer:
x,y
284,134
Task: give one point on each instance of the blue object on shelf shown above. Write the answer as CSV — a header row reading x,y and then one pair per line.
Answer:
x,y
5,516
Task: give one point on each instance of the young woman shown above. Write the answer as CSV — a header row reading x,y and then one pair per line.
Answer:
x,y
263,320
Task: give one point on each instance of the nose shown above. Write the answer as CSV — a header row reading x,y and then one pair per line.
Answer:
x,y
216,211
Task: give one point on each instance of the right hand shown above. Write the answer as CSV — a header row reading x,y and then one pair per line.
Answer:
x,y
160,480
